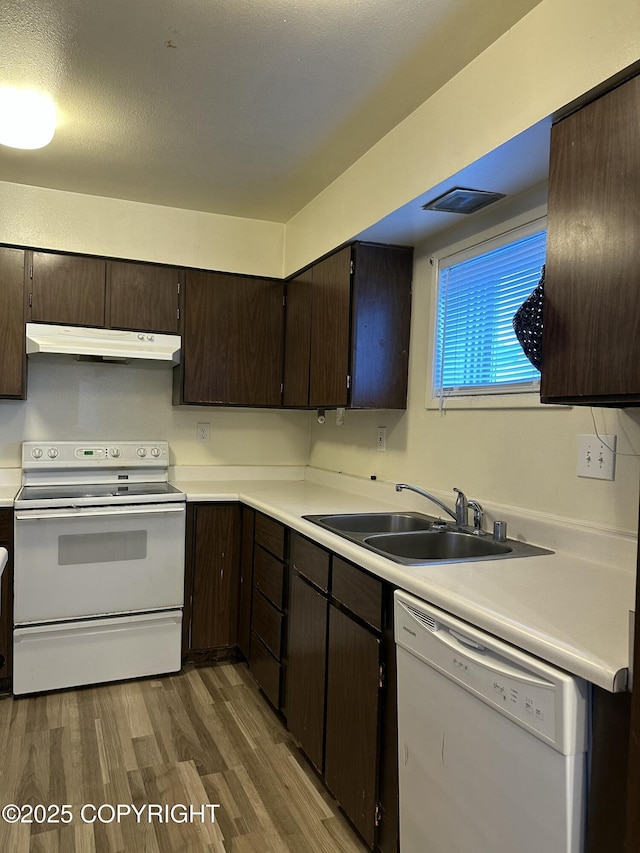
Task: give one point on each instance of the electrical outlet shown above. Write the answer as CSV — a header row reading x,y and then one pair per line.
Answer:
x,y
597,457
202,432
382,439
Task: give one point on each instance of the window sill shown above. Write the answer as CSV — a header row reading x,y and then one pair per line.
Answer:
x,y
493,401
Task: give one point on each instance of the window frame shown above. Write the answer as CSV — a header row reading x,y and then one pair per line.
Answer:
x,y
519,396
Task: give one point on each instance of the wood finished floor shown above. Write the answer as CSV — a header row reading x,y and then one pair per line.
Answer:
x,y
203,736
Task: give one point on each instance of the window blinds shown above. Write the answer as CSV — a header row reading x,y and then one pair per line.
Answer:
x,y
477,351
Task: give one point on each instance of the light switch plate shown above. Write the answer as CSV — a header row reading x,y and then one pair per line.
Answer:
x,y
596,456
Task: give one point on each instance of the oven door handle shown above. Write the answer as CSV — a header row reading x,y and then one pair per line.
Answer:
x,y
95,512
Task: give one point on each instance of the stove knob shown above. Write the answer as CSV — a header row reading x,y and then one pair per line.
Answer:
x,y
115,452
52,452
140,337
155,451
141,451
36,452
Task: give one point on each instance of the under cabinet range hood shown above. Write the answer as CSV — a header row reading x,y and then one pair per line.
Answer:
x,y
110,345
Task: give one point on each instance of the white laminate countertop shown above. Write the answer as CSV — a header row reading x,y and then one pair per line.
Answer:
x,y
7,494
567,610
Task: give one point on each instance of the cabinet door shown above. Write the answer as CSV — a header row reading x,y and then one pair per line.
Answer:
x,y
67,289
232,345
307,647
216,576
12,322
297,345
351,749
592,311
381,317
143,296
330,330
6,614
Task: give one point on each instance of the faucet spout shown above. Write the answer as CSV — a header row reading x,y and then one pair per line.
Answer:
x,y
462,508
430,497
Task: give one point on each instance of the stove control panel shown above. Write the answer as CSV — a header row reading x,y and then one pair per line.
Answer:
x,y
39,455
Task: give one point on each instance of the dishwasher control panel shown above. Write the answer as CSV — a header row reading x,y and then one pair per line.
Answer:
x,y
533,694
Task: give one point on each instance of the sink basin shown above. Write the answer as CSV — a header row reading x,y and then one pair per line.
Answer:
x,y
375,522
436,545
414,539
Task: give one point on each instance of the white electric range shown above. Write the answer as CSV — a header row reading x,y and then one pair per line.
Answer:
x,y
99,564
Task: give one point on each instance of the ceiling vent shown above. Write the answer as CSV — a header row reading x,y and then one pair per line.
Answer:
x,y
459,200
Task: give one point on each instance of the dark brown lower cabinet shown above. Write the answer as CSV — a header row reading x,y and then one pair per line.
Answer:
x,y
607,810
246,579
307,661
267,653
212,579
6,614
353,692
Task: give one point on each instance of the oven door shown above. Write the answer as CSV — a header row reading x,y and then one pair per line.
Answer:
x,y
90,561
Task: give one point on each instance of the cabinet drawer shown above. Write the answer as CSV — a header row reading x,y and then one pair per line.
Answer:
x,y
268,576
310,561
266,670
270,535
267,623
358,591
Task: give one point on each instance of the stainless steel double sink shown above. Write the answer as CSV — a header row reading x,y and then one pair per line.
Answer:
x,y
414,539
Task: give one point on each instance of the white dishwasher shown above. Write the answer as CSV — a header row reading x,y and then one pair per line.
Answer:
x,y
492,743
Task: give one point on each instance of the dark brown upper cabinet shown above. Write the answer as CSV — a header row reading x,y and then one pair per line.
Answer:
x,y
297,345
329,358
317,334
591,346
143,296
66,289
12,374
347,330
81,291
232,341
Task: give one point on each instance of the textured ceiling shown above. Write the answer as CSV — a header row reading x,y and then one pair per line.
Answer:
x,y
241,107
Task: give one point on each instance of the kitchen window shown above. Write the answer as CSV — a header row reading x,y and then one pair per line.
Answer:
x,y
479,290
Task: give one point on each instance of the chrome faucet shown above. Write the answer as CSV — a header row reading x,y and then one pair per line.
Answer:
x,y
460,514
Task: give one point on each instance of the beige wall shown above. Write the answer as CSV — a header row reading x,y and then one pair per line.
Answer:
x,y
556,53
72,400
71,222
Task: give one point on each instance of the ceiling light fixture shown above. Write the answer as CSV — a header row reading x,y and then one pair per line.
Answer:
x,y
459,200
27,118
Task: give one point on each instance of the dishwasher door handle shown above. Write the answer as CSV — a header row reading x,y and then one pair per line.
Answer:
x,y
467,641
487,658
